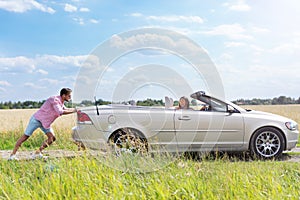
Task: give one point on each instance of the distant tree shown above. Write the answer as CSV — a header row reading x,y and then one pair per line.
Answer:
x,y
150,102
283,100
176,103
275,101
102,102
86,103
18,105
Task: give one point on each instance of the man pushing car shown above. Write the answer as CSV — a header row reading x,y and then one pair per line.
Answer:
x,y
43,118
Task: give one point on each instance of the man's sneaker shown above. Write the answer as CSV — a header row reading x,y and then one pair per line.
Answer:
x,y
13,157
38,155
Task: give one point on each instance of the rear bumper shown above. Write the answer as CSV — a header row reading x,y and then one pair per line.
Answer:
x,y
89,137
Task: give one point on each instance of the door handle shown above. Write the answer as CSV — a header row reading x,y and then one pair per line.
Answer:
x,y
184,118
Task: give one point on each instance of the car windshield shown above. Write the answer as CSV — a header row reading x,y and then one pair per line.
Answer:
x,y
212,104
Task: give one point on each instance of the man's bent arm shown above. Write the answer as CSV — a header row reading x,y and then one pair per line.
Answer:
x,y
69,111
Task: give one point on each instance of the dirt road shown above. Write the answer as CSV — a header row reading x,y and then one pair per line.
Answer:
x,y
26,155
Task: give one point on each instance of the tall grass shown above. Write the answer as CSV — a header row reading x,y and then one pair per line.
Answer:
x,y
88,178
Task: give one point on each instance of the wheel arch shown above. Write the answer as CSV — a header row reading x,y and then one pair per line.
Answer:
x,y
269,126
115,132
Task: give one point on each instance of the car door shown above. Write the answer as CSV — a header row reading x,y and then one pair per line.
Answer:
x,y
161,131
211,128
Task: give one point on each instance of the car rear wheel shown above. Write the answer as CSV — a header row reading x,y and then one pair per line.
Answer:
x,y
267,143
128,141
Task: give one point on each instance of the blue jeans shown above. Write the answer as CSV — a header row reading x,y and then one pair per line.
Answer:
x,y
34,124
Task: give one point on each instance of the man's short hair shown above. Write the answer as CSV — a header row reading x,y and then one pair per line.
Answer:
x,y
65,91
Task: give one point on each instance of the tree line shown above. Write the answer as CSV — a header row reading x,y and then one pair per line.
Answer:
x,y
148,102
282,100
25,104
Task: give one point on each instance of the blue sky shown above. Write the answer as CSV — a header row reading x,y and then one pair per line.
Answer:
x,y
255,45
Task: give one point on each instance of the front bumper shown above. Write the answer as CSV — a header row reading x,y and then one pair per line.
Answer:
x,y
292,139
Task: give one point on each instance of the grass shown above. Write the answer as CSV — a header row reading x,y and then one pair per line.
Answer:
x,y
90,177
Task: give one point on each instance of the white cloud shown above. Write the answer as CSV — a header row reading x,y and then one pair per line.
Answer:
x,y
21,64
24,5
175,43
41,71
170,18
260,30
256,48
136,15
286,48
84,10
240,5
48,61
234,44
33,85
110,70
94,21
232,31
70,8
136,41
258,80
278,72
226,57
79,20
18,64
176,18
4,83
50,81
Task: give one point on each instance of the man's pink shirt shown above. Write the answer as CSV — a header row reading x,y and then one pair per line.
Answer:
x,y
50,110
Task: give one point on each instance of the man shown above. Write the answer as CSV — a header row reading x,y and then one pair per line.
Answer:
x,y
43,118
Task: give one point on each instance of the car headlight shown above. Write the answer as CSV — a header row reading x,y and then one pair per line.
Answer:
x,y
291,125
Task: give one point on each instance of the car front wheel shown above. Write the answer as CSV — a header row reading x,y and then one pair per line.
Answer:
x,y
267,143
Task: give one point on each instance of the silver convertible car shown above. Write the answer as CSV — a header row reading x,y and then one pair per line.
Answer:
x,y
208,124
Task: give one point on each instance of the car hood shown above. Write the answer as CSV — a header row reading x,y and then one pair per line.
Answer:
x,y
265,115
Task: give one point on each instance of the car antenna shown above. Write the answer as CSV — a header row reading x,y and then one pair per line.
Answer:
x,y
96,105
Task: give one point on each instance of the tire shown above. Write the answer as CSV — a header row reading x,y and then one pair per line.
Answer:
x,y
267,143
128,141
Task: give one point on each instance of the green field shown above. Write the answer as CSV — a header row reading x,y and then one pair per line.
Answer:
x,y
92,177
